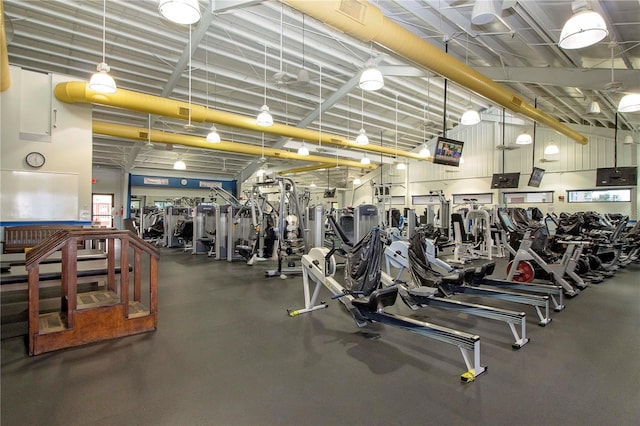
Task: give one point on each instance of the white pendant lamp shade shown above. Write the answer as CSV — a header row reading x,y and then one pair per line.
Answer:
x,y
213,136
524,139
424,152
183,12
260,172
470,117
401,166
583,29
365,160
628,140
264,118
303,150
312,185
362,138
101,81
629,103
357,181
179,165
484,11
371,79
551,149
593,108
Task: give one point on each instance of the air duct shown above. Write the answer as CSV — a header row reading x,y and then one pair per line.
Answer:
x,y
367,23
143,134
78,92
5,76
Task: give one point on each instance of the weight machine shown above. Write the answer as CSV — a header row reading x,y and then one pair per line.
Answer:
x,y
291,229
204,230
172,216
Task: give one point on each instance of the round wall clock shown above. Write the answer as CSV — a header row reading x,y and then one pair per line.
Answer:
x,y
35,159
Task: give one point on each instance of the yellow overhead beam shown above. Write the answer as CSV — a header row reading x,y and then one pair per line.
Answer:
x,y
79,92
157,136
364,21
5,76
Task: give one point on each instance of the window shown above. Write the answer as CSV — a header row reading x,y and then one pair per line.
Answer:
x,y
486,198
600,196
528,197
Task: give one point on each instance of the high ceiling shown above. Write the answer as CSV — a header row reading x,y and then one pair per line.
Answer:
x,y
150,55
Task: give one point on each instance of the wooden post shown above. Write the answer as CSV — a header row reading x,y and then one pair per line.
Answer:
x,y
111,264
137,276
124,274
34,305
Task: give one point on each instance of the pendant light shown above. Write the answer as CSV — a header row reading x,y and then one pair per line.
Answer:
x,y
470,117
629,103
101,81
179,164
183,12
264,117
371,78
524,138
583,29
362,138
303,150
593,108
357,181
365,160
484,12
551,149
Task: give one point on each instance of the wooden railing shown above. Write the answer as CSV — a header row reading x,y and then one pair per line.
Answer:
x,y
99,315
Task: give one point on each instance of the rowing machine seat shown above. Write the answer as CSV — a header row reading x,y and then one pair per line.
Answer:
x,y
377,300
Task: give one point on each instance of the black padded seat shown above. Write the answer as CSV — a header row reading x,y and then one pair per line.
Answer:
x,y
424,291
376,300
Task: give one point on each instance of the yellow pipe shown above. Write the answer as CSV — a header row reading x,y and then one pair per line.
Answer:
x,y
142,134
5,76
307,169
367,23
78,92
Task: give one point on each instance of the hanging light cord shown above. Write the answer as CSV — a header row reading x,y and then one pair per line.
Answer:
x,y
320,110
396,127
104,29
265,73
362,110
189,75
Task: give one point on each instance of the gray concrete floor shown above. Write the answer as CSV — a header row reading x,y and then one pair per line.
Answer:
x,y
226,353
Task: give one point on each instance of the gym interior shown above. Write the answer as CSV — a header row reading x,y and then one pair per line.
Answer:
x,y
325,213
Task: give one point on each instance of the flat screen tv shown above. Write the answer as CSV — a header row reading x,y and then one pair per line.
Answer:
x,y
536,177
505,180
330,193
620,176
448,152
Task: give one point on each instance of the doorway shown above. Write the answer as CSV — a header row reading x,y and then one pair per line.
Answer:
x,y
102,210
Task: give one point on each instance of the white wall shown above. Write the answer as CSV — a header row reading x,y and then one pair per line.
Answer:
x,y
32,119
574,168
